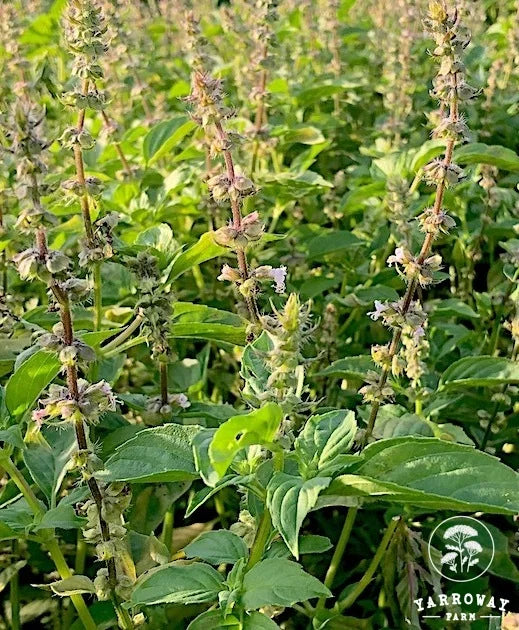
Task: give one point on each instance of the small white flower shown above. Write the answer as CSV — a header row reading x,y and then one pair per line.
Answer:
x,y
380,308
180,399
279,275
230,274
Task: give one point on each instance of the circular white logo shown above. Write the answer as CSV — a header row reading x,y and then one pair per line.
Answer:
x,y
461,548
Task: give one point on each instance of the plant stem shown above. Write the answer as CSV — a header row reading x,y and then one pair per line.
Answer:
x,y
117,145
14,593
80,172
163,368
21,484
339,552
236,221
48,539
494,339
98,297
261,113
64,572
79,427
126,346
373,566
262,536
424,252
167,527
492,418
81,553
123,336
350,599
3,256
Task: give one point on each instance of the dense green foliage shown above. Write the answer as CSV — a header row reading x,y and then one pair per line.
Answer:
x,y
259,309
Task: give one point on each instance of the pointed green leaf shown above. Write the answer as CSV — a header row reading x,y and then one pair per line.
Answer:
x,y
482,371
49,457
496,155
289,500
279,582
178,583
204,249
164,136
428,473
258,427
157,454
349,367
217,547
322,445
63,517
74,585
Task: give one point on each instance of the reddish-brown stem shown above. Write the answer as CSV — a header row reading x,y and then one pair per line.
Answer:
x,y
4,257
237,220
80,173
72,385
117,145
260,119
424,252
163,382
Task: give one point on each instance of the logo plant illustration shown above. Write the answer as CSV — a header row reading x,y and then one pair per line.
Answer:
x,y
464,550
259,305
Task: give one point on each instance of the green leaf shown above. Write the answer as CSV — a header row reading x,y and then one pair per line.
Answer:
x,y
12,436
302,134
502,564
354,199
428,473
309,543
453,308
211,332
74,585
203,250
156,454
8,573
17,515
427,152
214,413
496,155
160,238
6,532
178,583
197,321
482,371
289,500
201,443
30,379
34,375
215,620
322,445
49,457
199,498
314,543
287,186
63,517
279,582
396,421
258,427
164,136
256,620
187,312
334,241
315,93
217,547
349,367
